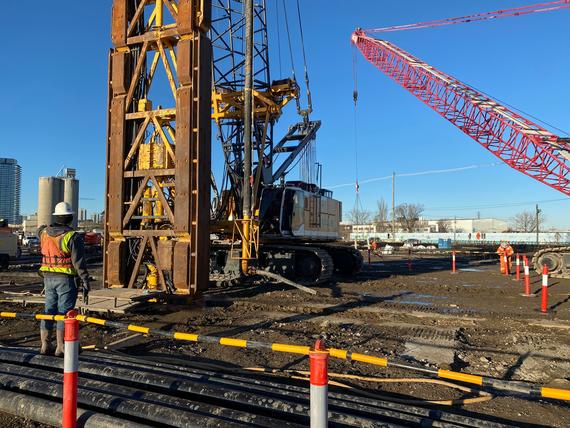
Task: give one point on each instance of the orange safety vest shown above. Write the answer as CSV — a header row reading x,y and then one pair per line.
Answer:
x,y
56,254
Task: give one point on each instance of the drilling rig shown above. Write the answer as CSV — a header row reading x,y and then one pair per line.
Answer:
x,y
177,70
285,227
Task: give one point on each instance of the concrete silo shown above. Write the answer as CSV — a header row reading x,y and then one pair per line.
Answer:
x,y
71,196
50,192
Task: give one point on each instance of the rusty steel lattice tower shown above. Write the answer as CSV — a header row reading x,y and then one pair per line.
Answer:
x,y
158,146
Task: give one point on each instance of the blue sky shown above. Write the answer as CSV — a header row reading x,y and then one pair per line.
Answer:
x,y
54,100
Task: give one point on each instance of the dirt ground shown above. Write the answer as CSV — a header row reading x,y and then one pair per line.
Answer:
x,y
474,321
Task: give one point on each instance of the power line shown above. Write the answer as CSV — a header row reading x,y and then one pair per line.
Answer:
x,y
415,174
497,205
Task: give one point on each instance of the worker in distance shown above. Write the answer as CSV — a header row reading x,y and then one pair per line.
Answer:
x,y
505,252
64,271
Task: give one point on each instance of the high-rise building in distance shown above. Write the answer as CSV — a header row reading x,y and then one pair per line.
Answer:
x,y
10,184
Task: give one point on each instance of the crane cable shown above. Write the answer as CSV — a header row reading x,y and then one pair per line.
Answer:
x,y
278,39
309,98
357,201
297,101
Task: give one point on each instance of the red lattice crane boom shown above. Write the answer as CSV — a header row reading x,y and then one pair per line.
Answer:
x,y
484,16
520,143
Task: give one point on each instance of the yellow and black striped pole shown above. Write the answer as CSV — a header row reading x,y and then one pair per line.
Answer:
x,y
343,354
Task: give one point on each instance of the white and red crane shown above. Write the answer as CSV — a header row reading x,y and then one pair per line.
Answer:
x,y
516,140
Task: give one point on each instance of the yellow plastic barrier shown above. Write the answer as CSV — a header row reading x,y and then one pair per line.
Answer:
x,y
558,394
240,343
462,377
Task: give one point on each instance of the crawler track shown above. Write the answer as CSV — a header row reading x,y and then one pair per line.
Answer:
x,y
159,394
562,271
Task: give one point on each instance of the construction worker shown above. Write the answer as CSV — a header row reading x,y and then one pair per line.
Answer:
x,y
505,249
64,272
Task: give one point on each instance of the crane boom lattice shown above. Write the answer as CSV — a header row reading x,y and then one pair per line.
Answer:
x,y
520,143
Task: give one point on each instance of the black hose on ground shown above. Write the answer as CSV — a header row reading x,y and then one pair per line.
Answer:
x,y
49,413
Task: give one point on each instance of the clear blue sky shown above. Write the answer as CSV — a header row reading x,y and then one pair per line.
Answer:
x,y
54,99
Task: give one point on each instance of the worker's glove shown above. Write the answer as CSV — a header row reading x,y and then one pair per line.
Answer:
x,y
85,289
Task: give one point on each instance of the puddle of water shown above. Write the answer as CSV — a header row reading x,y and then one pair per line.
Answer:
x,y
468,285
451,310
429,296
471,270
415,302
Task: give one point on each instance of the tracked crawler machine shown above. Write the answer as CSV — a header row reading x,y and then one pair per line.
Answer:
x,y
176,66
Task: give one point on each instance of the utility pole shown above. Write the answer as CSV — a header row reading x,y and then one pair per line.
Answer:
x,y
537,222
393,206
454,228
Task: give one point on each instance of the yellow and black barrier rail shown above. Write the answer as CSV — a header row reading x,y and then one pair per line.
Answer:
x,y
519,387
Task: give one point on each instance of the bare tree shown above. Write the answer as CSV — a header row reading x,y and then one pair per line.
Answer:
x,y
408,215
525,221
443,226
356,216
381,217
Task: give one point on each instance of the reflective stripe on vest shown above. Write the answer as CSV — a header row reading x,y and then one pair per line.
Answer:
x,y
56,254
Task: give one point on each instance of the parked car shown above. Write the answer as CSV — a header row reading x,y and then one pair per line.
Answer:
x,y
412,242
29,241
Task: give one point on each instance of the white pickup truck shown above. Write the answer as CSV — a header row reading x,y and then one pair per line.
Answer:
x,y
9,248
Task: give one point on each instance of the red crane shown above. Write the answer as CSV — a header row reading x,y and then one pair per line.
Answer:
x,y
502,13
520,143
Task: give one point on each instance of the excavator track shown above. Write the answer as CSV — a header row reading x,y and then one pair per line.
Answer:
x,y
306,265
348,261
556,258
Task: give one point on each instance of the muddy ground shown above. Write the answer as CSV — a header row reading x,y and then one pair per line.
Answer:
x,y
475,321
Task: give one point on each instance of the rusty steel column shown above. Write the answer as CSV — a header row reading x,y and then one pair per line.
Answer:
x,y
158,147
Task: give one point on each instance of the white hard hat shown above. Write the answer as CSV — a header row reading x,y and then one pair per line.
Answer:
x,y
63,208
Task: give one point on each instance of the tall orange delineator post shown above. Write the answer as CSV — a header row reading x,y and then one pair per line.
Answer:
x,y
518,264
544,302
318,362
453,267
70,369
526,277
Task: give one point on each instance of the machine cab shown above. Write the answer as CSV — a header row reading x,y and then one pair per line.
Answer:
x,y
300,210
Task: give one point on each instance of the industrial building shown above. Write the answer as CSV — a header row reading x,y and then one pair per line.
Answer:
x,y
468,225
30,225
10,183
52,190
